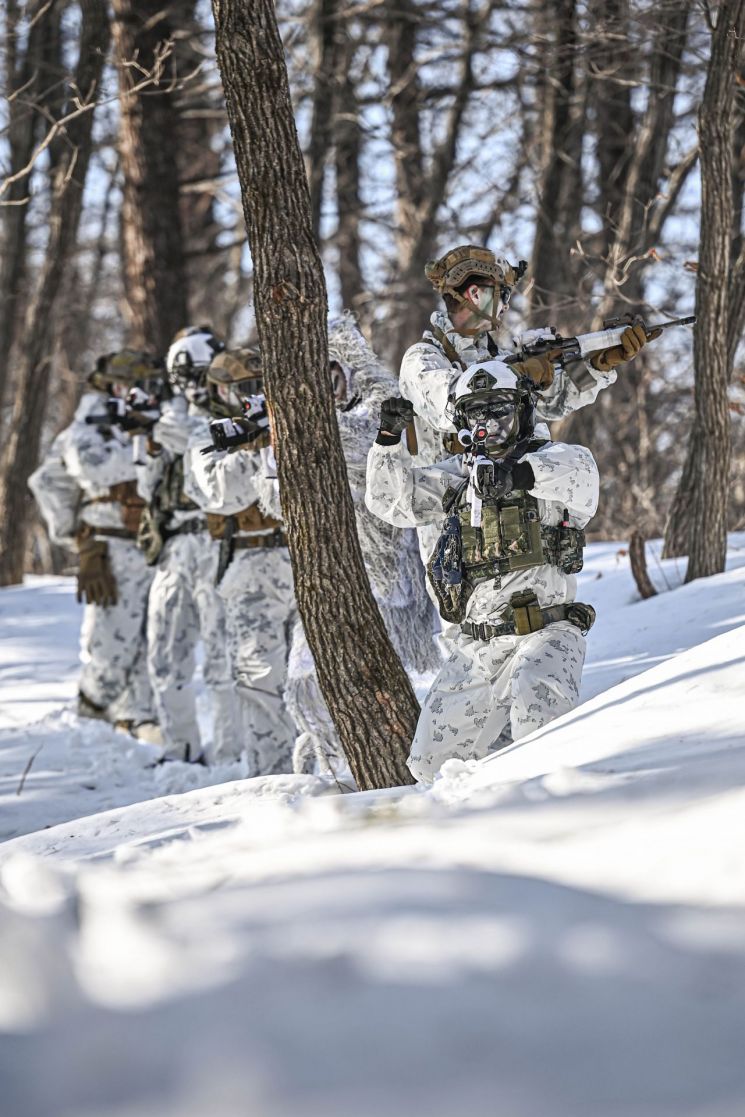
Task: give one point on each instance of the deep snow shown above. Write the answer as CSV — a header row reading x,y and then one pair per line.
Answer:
x,y
556,930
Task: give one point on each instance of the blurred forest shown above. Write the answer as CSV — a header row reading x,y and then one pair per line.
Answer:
x,y
564,132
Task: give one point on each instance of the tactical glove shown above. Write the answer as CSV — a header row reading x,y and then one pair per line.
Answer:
x,y
492,480
633,340
395,415
96,581
539,369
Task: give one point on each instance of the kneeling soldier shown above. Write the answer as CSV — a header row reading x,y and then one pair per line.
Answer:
x,y
514,506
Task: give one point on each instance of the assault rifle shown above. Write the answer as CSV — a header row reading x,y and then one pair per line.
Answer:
x,y
137,413
231,434
562,349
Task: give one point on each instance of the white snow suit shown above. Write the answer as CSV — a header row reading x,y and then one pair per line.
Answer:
x,y
258,599
184,604
94,458
511,684
390,555
428,377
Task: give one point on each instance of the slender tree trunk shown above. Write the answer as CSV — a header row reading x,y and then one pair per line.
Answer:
x,y
348,150
154,270
35,74
21,450
706,471
560,194
365,687
611,67
325,17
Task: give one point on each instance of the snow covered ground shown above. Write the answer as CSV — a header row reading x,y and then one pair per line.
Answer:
x,y
557,930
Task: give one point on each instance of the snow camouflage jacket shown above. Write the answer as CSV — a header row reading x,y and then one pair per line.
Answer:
x,y
428,377
85,460
179,423
222,483
391,555
566,477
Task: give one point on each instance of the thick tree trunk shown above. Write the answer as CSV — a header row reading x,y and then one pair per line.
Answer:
x,y
366,689
21,451
706,471
154,271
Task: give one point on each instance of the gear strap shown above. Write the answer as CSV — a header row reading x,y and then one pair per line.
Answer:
x,y
524,615
447,346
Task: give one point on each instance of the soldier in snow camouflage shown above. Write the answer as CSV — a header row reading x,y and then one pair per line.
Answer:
x,y
254,573
95,457
514,505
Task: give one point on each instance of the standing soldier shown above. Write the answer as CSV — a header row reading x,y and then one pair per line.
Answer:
x,y
514,507
254,576
476,286
94,455
184,604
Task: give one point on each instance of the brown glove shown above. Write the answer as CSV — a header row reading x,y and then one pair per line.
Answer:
x,y
539,369
96,582
633,340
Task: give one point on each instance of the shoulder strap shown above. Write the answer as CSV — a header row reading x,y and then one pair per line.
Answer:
x,y
447,346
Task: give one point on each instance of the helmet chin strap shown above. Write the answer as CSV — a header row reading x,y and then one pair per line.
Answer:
x,y
492,319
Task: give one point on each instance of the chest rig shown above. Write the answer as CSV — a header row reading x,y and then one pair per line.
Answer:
x,y
510,538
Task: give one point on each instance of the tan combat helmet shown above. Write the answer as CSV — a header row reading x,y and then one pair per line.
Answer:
x,y
232,375
128,366
452,270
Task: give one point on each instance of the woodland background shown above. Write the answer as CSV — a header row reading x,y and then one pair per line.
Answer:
x,y
565,132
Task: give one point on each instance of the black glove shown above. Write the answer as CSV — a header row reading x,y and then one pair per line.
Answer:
x,y
492,480
395,415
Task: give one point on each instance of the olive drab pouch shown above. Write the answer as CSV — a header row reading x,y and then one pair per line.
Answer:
x,y
150,538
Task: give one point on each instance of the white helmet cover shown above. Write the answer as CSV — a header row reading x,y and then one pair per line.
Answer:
x,y
485,377
192,350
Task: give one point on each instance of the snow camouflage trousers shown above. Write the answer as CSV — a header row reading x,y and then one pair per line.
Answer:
x,y
510,685
259,602
113,641
184,608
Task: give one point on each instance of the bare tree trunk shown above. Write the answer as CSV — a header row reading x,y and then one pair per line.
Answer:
x,y
365,687
707,465
420,195
154,271
21,451
611,58
560,193
348,149
325,17
32,74
638,559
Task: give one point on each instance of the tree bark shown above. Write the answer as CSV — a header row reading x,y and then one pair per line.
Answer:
x,y
21,451
348,150
34,73
325,18
365,687
706,470
420,194
154,270
560,192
